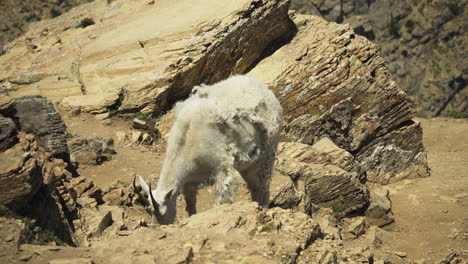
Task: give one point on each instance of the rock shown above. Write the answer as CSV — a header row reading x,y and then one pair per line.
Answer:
x,y
8,133
89,150
105,222
139,124
401,254
115,61
334,188
379,212
120,136
21,172
396,156
85,151
146,139
37,115
102,116
322,152
72,261
24,257
332,83
9,238
108,145
409,36
317,180
76,111
136,137
287,197
357,227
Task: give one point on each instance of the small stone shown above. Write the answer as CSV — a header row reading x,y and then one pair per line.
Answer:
x,y
106,122
9,238
102,116
136,137
71,261
139,124
357,227
76,111
103,224
25,257
461,195
146,139
120,136
401,254
445,211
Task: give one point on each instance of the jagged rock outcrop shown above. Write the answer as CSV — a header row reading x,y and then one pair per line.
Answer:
x,y
241,232
332,83
422,41
89,151
139,55
37,115
8,133
15,16
321,175
21,172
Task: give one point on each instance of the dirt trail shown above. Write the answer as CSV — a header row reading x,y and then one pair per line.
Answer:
x,y
431,213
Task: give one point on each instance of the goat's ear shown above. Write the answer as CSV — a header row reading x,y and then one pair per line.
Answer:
x,y
168,195
143,184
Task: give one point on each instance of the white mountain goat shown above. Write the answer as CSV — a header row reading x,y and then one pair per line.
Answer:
x,y
222,134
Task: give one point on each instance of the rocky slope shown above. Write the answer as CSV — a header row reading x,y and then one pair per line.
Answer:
x,y
15,16
423,42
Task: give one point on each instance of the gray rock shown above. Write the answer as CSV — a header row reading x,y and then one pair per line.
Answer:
x,y
86,151
37,115
139,124
379,212
8,133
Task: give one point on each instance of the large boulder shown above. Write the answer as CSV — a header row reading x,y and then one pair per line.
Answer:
x,y
21,172
35,115
332,83
139,54
321,175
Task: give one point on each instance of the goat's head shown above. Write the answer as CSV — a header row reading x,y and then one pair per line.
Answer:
x,y
162,210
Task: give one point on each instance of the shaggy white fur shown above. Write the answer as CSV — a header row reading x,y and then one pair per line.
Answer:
x,y
223,133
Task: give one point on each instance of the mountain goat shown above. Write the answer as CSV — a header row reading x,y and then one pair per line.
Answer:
x,y
222,134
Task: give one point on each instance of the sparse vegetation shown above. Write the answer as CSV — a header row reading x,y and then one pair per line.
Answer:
x,y
141,115
337,207
55,13
456,114
409,26
394,28
37,236
267,228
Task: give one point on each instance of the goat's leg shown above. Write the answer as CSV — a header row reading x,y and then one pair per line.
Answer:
x,y
226,184
190,194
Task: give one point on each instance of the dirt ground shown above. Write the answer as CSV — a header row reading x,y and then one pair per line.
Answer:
x,y
431,213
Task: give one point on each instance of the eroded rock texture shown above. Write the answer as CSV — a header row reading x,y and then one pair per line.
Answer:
x,y
150,53
332,83
321,175
423,42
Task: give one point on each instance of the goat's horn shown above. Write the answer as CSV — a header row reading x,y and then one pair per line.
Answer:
x,y
153,201
137,191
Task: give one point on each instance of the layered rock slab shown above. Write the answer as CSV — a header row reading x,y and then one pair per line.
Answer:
x,y
150,53
332,83
322,175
